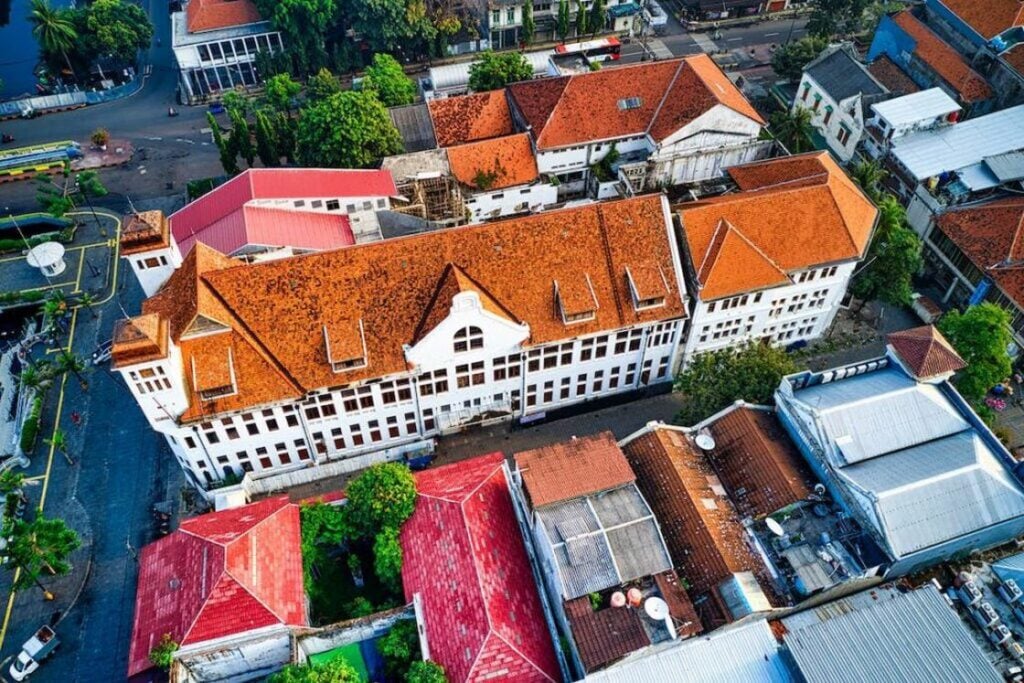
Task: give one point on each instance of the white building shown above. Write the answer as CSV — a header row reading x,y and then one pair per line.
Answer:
x,y
292,363
215,43
838,89
900,116
773,261
150,249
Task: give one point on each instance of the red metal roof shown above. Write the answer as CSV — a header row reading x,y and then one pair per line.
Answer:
x,y
464,555
217,218
218,575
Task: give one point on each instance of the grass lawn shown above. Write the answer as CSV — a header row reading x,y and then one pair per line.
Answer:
x,y
334,590
351,653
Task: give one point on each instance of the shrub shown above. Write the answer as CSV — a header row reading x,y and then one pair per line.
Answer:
x,y
426,672
30,427
399,647
382,497
387,558
162,655
100,137
359,607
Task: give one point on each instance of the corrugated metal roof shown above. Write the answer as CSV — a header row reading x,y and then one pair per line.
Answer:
x,y
881,412
918,106
1011,567
937,491
905,637
1007,167
604,540
454,76
747,653
414,125
930,153
842,76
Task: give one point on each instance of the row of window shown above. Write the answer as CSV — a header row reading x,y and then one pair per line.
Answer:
x,y
148,380
239,47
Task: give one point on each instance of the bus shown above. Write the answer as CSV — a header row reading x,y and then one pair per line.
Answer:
x,y
598,50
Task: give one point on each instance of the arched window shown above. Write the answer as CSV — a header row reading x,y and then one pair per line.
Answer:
x,y
469,338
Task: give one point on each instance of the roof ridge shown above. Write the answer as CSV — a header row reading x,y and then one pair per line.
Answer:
x,y
523,655
715,239
756,248
664,95
842,216
1016,238
206,598
606,247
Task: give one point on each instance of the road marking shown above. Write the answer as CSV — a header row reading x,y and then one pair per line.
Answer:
x,y
184,140
153,138
732,40
78,278
769,35
35,478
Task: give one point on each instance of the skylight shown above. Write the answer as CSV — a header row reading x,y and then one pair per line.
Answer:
x,y
630,103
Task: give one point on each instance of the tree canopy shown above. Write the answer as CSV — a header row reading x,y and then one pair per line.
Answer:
x,y
280,91
42,545
346,130
399,647
118,28
382,497
303,23
387,558
337,670
836,17
162,654
422,671
981,335
322,85
716,379
497,69
793,129
386,78
789,60
893,259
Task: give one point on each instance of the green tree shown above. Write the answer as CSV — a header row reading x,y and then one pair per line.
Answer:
x,y
399,647
284,130
793,129
562,22
347,130
394,26
42,545
241,137
69,362
321,85
832,17
529,24
100,137
53,199
789,60
280,91
118,28
236,102
266,140
894,257
382,497
598,16
981,335
304,24
716,379
53,30
228,155
89,301
162,654
387,558
336,670
58,441
869,175
11,482
582,20
386,77
323,527
497,69
425,672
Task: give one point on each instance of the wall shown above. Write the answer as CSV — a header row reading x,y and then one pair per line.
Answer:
x,y
511,201
252,656
153,268
848,113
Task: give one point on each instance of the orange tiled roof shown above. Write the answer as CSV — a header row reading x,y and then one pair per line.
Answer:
x,y
990,235
276,310
573,469
703,533
925,352
466,118
453,281
757,462
988,17
210,15
944,60
509,158
139,339
586,107
793,214
892,76
144,231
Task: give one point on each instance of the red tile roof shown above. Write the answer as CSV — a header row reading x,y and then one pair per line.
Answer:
x,y
210,15
218,218
794,213
144,231
991,235
220,574
944,60
573,469
670,95
463,554
509,159
925,352
892,76
757,462
468,118
988,17
703,533
605,636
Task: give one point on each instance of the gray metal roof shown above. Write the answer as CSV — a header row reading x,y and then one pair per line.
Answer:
x,y
918,106
906,637
1006,167
842,76
414,125
1011,567
951,148
744,654
937,491
604,540
881,412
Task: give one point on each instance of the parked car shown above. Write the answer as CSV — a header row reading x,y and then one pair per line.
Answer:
x,y
216,108
103,352
35,650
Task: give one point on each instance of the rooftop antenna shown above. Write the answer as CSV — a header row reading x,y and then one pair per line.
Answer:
x,y
131,205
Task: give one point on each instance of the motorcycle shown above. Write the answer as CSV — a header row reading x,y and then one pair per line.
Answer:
x,y
172,112
5,138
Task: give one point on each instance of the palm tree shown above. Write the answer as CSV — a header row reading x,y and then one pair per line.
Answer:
x,y
53,30
66,361
32,379
794,129
42,544
88,300
11,482
59,442
869,175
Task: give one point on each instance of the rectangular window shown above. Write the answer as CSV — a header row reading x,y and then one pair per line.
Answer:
x,y
189,442
432,383
374,427
549,391
565,391
843,135
338,438
302,449
393,430
356,432
511,15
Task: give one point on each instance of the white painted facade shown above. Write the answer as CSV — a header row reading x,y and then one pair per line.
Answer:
x,y
510,201
801,311
154,267
841,124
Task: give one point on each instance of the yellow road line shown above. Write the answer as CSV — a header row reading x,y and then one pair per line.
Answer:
x,y
78,278
36,478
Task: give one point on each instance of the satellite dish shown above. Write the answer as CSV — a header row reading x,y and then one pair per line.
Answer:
x,y
656,608
774,527
705,441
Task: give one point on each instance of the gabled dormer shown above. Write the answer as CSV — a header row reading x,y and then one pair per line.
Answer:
x,y
575,299
648,286
213,375
345,345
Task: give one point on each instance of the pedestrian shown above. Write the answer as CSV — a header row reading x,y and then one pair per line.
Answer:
x,y
76,419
